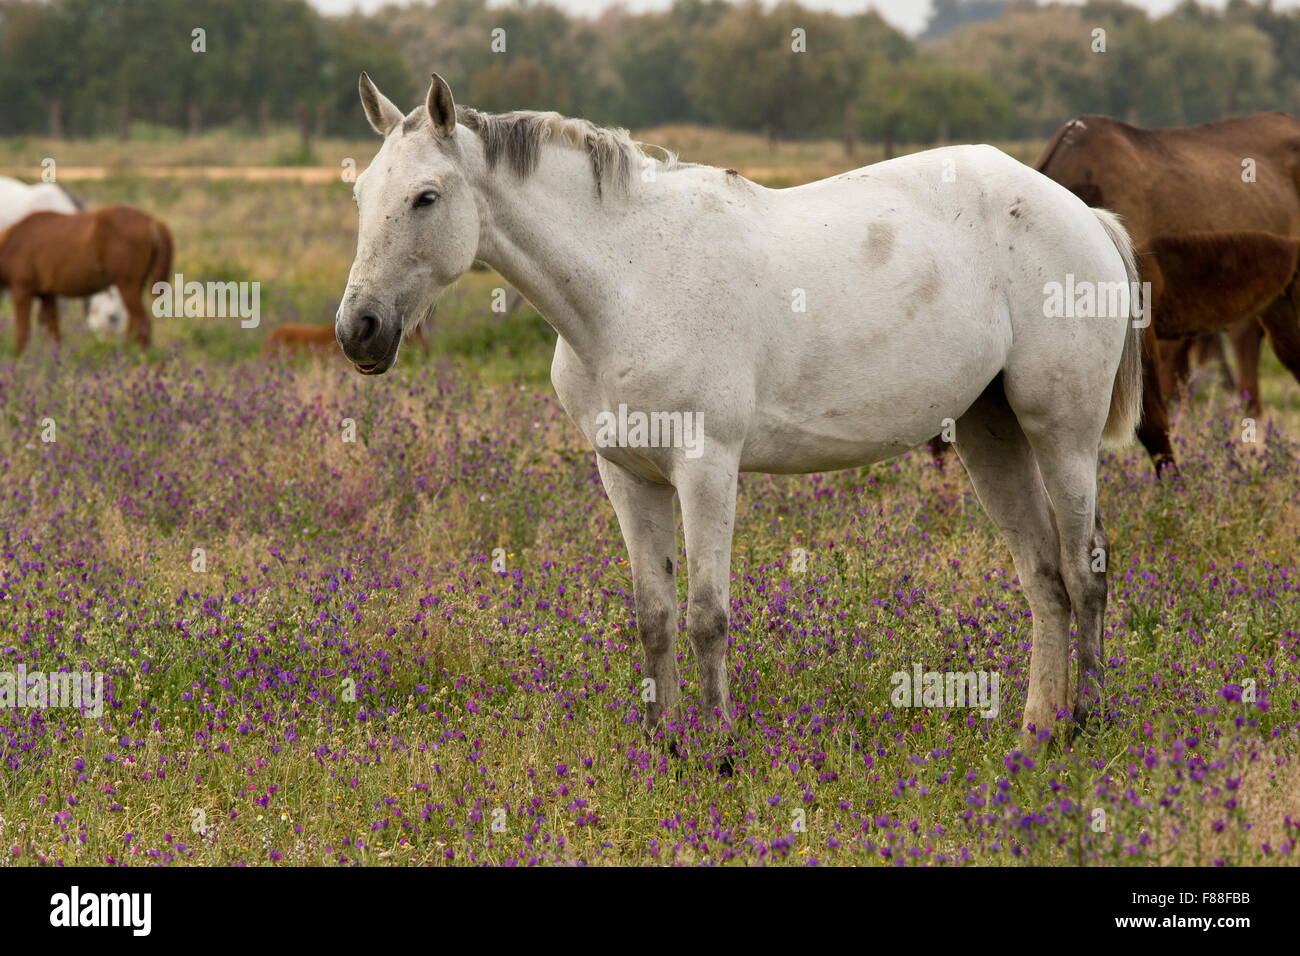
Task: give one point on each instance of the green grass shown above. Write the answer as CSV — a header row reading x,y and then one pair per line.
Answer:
x,y
369,561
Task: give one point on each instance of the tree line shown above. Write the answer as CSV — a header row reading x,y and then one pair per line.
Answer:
x,y
982,69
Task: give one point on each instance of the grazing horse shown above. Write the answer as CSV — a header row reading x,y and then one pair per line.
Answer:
x,y
50,254
299,336
1200,204
105,311
295,336
786,331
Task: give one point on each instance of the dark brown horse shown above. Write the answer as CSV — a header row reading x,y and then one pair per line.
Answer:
x,y
1214,212
51,254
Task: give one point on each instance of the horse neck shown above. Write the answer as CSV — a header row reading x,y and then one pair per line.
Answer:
x,y
559,243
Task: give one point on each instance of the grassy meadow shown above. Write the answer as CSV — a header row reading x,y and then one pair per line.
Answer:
x,y
419,647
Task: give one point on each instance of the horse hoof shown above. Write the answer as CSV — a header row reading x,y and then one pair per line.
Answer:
x,y
1087,719
1080,715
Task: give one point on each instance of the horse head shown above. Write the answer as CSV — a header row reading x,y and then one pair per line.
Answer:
x,y
418,226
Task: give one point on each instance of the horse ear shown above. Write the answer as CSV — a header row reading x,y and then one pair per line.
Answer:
x,y
380,111
441,107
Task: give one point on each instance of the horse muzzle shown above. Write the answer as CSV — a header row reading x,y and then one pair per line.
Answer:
x,y
368,338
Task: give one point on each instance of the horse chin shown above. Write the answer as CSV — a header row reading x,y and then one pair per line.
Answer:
x,y
384,364
379,368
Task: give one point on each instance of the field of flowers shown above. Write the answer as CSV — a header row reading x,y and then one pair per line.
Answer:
x,y
419,646
340,674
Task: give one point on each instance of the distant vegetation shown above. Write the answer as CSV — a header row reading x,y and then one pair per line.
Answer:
x,y
984,68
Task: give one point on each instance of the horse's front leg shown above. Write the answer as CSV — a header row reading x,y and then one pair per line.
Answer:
x,y
707,489
649,524
1247,337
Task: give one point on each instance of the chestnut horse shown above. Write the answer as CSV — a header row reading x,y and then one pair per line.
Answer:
x,y
297,336
294,336
47,255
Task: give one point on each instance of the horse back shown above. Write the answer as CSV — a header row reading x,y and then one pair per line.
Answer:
x,y
1240,174
41,246
123,224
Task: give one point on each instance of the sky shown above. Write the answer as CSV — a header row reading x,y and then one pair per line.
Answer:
x,y
908,15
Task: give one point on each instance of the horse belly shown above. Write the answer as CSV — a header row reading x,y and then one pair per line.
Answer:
x,y
79,286
849,387
850,430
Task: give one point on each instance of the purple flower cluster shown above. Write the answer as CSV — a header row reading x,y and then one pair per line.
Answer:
x,y
419,646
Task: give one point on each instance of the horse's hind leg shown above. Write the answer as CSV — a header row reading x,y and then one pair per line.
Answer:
x,y
1211,347
1153,430
1281,321
1175,367
137,321
50,317
1065,439
1246,338
1002,467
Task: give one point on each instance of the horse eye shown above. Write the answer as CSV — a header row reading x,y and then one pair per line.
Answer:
x,y
425,198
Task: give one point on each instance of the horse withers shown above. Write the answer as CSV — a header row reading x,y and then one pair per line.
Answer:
x,y
46,255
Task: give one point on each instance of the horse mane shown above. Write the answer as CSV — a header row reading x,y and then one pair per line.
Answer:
x,y
518,138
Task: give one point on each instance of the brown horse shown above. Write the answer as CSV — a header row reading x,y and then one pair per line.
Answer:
x,y
1214,211
50,254
297,336
293,336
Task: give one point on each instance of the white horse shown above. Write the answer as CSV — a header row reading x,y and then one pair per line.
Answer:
x,y
106,312
821,327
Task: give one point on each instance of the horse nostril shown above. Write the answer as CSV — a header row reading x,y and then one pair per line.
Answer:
x,y
367,328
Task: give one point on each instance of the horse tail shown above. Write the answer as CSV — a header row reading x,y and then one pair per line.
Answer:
x,y
162,254
1126,393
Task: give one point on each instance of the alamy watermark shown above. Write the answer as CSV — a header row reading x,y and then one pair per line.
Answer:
x,y
209,300
1085,299
946,689
75,908
23,689
634,429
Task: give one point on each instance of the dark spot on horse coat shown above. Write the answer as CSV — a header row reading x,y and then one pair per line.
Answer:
x,y
928,290
879,244
668,565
